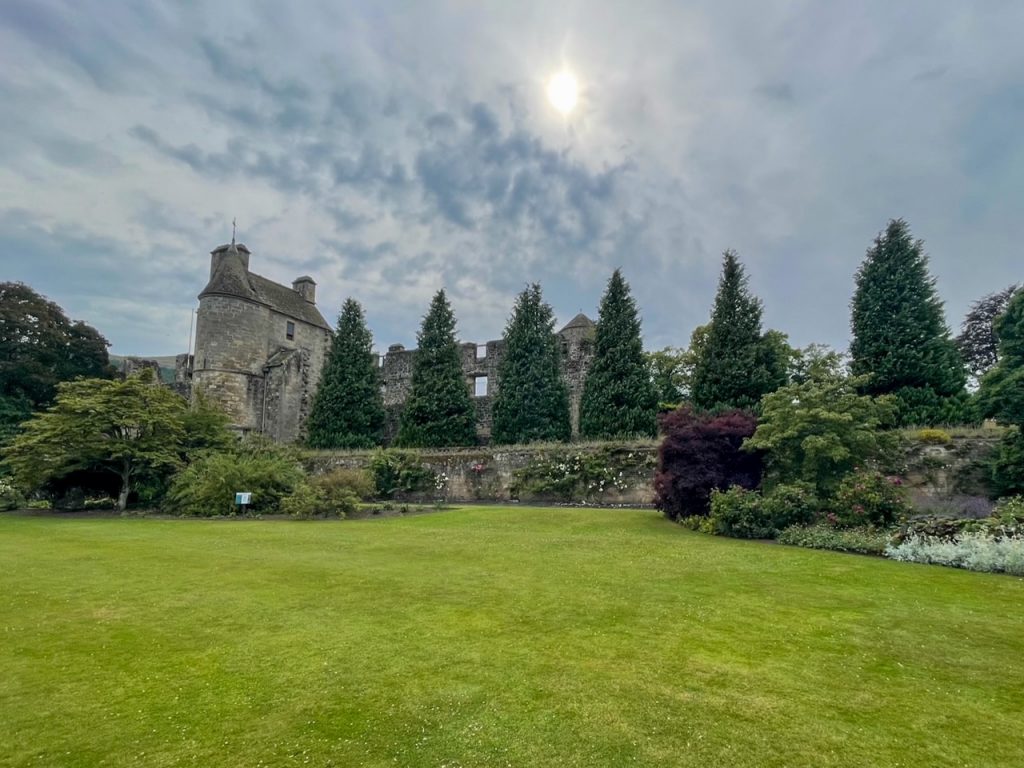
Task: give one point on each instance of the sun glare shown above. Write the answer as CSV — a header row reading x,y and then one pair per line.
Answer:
x,y
563,92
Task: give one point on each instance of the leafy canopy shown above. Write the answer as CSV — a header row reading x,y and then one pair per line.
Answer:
x,y
438,411
132,429
1001,394
348,410
532,403
819,431
978,341
618,397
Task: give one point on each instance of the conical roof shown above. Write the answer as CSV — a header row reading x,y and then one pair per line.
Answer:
x,y
580,321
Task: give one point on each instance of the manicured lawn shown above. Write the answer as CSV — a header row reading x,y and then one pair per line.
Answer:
x,y
492,637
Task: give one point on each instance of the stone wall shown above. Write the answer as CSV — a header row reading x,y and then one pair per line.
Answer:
x,y
935,474
481,361
494,473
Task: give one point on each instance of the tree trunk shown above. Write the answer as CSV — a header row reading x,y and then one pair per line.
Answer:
x,y
122,497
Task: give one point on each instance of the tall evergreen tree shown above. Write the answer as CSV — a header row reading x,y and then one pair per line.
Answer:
x,y
1001,395
348,411
532,402
737,364
618,397
438,411
900,337
978,342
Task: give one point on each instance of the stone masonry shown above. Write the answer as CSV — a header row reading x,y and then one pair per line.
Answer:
x,y
260,347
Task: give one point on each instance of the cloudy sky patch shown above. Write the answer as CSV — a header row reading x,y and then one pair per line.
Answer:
x,y
393,149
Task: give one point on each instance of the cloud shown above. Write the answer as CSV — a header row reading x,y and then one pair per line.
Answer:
x,y
391,151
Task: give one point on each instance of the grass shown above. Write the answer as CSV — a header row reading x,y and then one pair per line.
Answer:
x,y
492,637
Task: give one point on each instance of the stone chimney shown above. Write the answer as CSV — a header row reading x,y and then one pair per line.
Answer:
x,y
306,288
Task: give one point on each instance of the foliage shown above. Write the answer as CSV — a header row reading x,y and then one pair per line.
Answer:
x,y
305,501
978,341
867,497
40,347
864,540
1001,394
348,410
10,496
923,405
397,471
699,453
14,410
1005,521
739,513
900,338
356,482
206,428
131,429
533,401
438,411
581,475
933,437
973,551
207,486
793,504
736,364
818,431
746,514
817,363
1008,464
667,369
618,397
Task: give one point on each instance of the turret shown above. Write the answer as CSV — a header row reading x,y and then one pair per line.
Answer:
x,y
217,255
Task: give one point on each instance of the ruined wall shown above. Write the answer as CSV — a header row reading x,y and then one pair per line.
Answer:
x,y
482,362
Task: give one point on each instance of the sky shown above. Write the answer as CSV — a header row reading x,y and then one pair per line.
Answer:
x,y
390,149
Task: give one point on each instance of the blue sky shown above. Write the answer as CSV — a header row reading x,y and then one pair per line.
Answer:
x,y
390,149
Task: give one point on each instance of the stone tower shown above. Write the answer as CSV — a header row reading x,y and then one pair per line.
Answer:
x,y
259,346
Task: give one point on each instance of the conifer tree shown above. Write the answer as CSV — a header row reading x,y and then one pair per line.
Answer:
x,y
1001,395
438,411
618,397
737,364
900,337
348,410
532,402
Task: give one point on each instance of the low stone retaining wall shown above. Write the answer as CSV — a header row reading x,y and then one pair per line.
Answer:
x,y
602,474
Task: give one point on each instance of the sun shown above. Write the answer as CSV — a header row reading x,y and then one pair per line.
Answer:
x,y
563,91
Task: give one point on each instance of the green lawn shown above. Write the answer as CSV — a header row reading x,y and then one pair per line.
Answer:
x,y
492,637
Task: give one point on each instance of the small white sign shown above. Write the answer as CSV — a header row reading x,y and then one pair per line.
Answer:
x,y
243,498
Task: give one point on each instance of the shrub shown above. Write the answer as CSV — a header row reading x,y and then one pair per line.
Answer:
x,y
701,453
399,471
358,482
863,539
819,431
306,501
10,497
794,504
933,437
923,405
974,551
1008,464
739,513
581,475
208,485
868,497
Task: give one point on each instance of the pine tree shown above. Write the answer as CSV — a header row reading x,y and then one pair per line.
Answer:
x,y
900,337
737,364
618,397
1001,395
348,411
438,411
532,402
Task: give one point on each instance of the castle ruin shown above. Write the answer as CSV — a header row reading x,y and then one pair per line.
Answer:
x,y
260,347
